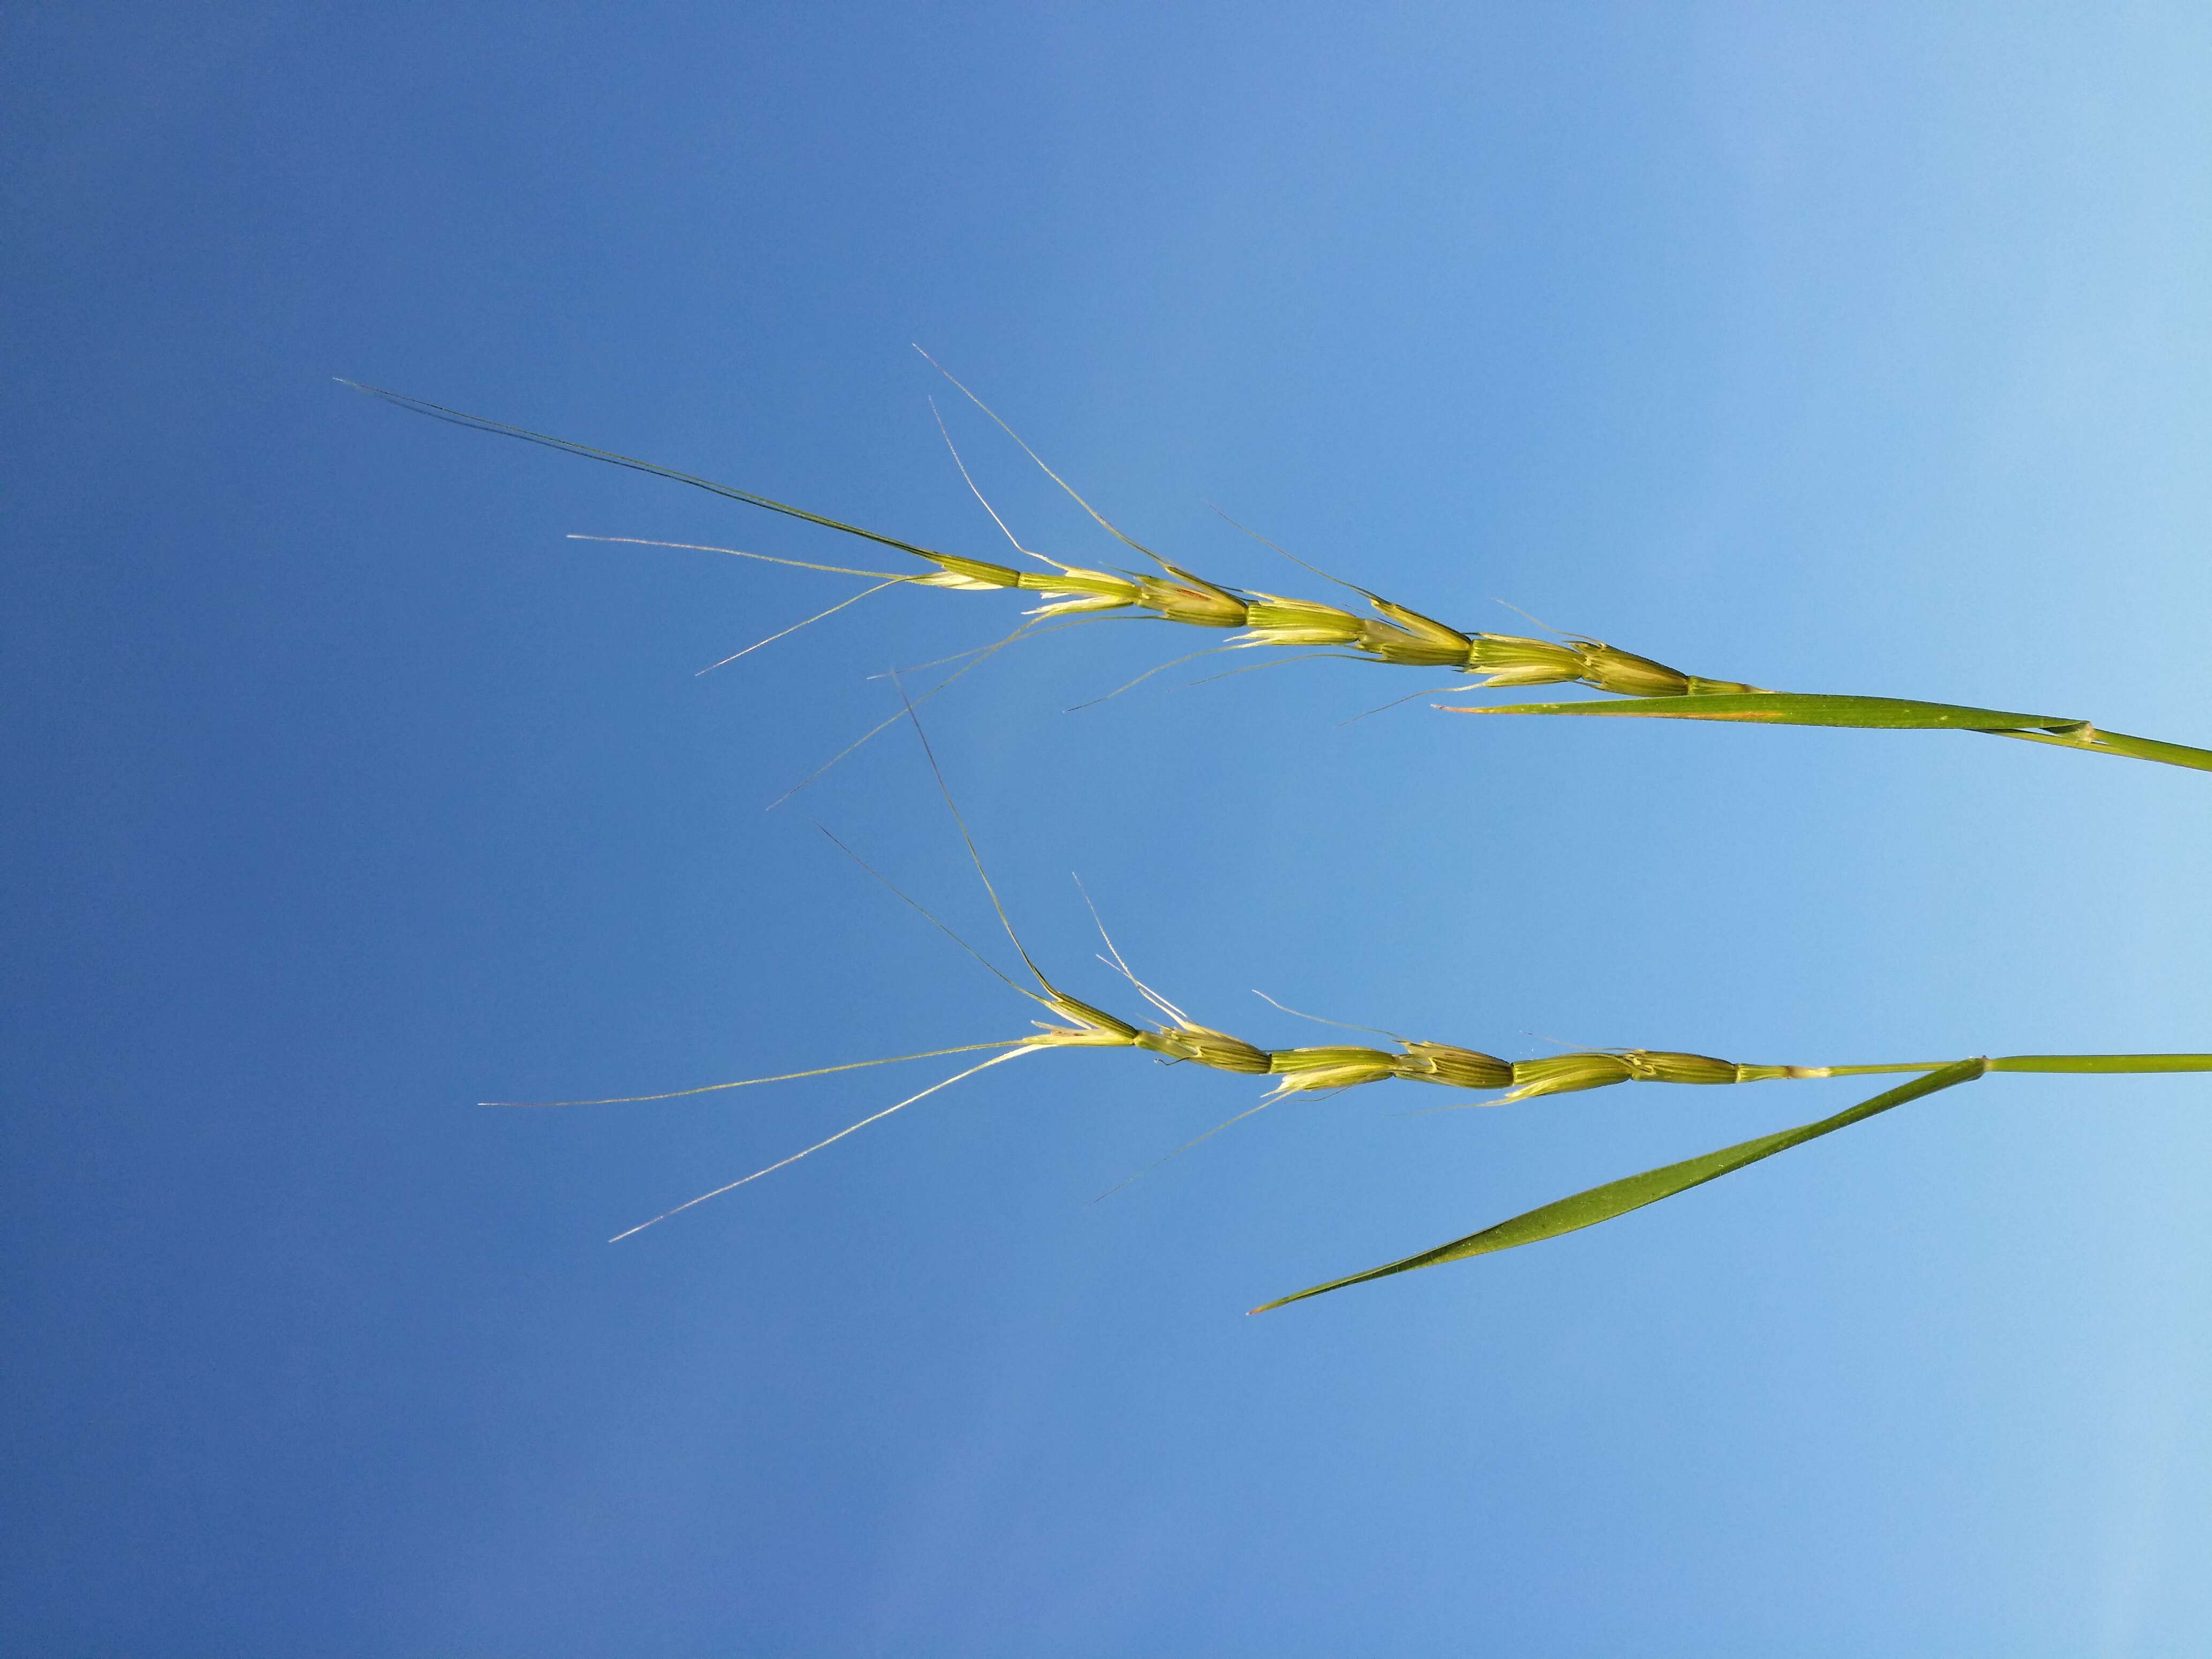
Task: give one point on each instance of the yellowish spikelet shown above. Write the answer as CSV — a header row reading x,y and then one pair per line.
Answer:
x,y
1411,640
1560,1074
1455,1068
1509,660
1076,589
1192,600
1628,675
1205,1046
1093,1027
1274,620
968,575
1330,1068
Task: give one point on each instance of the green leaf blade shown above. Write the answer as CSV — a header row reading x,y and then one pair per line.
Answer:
x,y
1869,713
1803,708
1617,1198
2120,744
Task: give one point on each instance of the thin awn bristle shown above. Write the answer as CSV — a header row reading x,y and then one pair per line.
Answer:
x,y
929,915
1113,951
1384,707
889,720
849,1128
1320,1019
786,632
1100,518
1226,1123
742,553
568,446
1129,685
975,857
968,478
1034,630
888,579
1254,667
1350,587
747,1082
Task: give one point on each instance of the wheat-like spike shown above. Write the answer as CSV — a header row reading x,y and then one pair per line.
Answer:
x,y
1319,1069
1328,1068
1636,685
1178,1037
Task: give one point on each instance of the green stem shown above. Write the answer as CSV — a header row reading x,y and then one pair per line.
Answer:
x,y
2102,1064
2095,1064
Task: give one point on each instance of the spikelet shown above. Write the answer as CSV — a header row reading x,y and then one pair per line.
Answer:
x,y
1075,590
1271,619
1092,1028
1626,675
1204,1046
1329,1067
1505,660
1192,600
1455,1068
965,575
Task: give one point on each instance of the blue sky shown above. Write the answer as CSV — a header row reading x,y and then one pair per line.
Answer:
x,y
1848,347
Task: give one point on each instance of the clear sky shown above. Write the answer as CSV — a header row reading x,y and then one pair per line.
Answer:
x,y
1851,347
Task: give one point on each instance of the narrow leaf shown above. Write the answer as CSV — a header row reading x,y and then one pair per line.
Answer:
x,y
1802,709
2125,747
1616,1198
